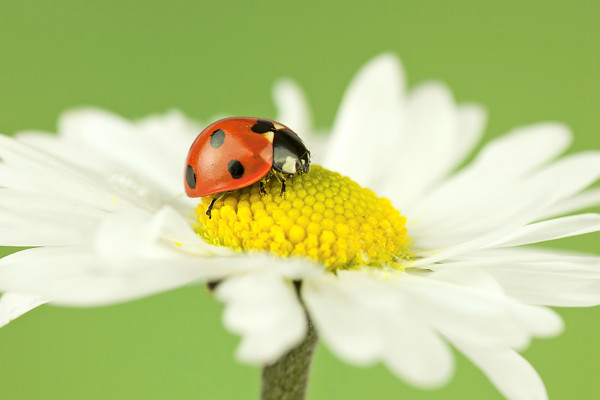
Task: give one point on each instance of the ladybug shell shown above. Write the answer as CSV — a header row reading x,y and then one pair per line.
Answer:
x,y
229,155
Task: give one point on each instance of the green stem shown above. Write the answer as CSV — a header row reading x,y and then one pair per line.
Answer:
x,y
287,378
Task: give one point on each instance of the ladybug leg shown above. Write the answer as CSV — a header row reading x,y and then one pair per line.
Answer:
x,y
261,187
282,180
261,183
212,203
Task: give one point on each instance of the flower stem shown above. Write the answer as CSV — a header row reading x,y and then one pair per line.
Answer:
x,y
287,378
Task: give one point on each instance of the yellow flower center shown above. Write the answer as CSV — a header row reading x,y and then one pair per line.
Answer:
x,y
322,215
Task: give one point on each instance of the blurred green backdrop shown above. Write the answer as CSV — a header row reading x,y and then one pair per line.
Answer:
x,y
525,61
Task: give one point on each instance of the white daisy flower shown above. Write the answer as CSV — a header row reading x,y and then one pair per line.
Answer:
x,y
103,204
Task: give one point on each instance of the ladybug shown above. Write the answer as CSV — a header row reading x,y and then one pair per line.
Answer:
x,y
233,153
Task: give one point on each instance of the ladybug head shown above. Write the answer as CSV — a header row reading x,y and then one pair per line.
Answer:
x,y
304,165
290,155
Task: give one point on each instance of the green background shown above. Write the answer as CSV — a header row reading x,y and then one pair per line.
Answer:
x,y
525,61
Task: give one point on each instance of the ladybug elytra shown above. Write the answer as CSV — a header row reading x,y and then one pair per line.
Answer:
x,y
233,153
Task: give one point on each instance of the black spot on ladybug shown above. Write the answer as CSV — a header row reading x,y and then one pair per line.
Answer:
x,y
236,169
263,126
217,138
190,177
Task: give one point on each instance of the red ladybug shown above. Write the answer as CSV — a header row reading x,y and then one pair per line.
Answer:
x,y
233,153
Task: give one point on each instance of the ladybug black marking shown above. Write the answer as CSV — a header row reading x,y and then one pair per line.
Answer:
x,y
290,155
236,169
263,126
217,138
190,177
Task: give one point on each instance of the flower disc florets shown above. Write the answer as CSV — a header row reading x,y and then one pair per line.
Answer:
x,y
322,215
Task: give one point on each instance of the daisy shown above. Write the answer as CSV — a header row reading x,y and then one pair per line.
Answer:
x,y
390,248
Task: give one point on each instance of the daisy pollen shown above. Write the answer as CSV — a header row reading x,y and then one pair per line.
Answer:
x,y
322,215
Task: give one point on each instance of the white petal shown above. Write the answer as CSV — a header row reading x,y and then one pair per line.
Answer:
x,y
369,118
489,184
539,321
483,208
265,310
438,137
587,199
344,320
126,235
364,319
507,370
292,107
173,132
31,219
512,375
175,229
42,172
126,257
522,150
431,134
528,254
550,283
540,277
416,353
552,229
471,123
470,304
427,257
90,124
14,304
24,237
564,178
9,179
68,151
124,144
79,277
